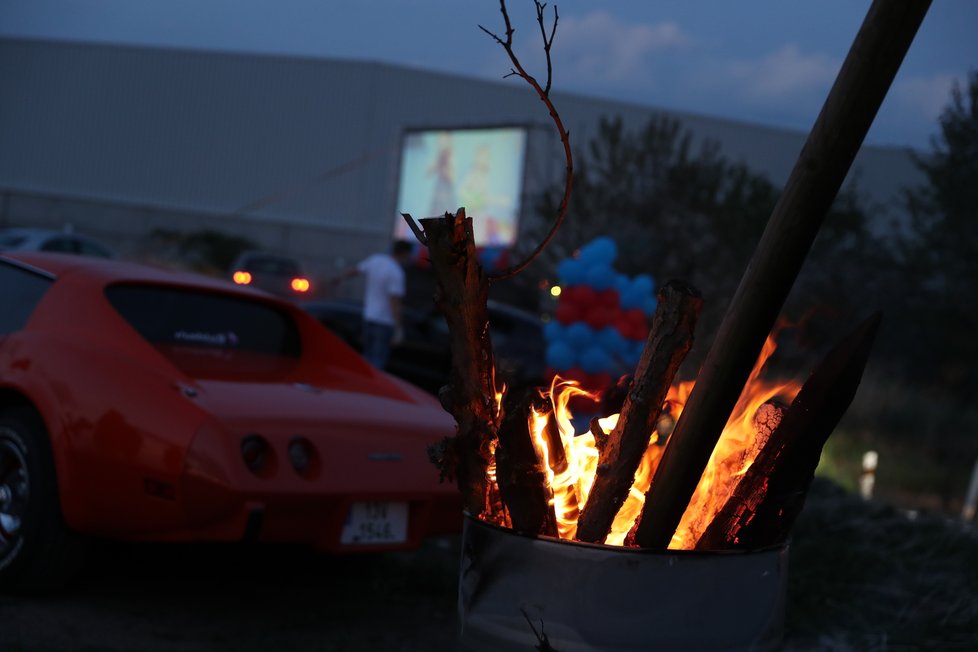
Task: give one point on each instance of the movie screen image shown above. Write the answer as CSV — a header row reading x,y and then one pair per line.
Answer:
x,y
480,169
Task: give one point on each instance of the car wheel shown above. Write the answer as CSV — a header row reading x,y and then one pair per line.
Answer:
x,y
38,551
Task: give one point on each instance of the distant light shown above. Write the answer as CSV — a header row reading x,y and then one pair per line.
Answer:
x,y
242,278
300,284
555,291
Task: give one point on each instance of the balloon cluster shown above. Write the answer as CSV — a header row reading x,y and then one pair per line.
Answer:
x,y
602,318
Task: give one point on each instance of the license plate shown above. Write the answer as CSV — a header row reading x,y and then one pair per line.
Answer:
x,y
380,522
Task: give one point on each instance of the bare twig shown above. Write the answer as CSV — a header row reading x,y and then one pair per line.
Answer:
x,y
415,229
544,93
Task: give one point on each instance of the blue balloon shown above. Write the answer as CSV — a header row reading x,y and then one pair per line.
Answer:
x,y
489,256
579,335
644,285
648,305
571,271
553,331
622,283
600,277
612,341
630,298
602,250
595,360
634,352
560,356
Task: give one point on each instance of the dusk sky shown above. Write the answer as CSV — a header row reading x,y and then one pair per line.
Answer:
x,y
762,61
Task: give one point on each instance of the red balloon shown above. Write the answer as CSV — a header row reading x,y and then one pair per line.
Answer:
x,y
567,313
599,316
608,298
582,295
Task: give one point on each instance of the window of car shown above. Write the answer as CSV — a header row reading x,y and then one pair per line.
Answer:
x,y
89,248
20,291
201,331
60,244
12,240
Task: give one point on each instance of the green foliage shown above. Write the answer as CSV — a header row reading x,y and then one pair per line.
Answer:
x,y
938,264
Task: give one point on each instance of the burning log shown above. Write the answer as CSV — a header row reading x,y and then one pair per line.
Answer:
x,y
769,497
470,396
824,162
669,342
520,474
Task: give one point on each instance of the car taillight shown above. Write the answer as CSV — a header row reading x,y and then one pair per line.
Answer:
x,y
241,277
255,452
300,284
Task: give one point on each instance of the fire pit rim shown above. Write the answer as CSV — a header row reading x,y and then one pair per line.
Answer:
x,y
623,549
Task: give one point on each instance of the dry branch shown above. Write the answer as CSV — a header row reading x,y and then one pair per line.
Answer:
x,y
823,164
543,92
669,341
770,496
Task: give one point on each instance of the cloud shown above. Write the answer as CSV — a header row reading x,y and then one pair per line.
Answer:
x,y
599,47
782,75
925,97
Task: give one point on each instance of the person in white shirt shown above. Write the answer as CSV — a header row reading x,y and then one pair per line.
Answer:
x,y
382,300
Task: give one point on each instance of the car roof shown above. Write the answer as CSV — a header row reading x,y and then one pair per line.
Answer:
x,y
110,271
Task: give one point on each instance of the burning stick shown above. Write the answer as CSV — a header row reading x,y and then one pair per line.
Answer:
x,y
769,497
522,479
669,342
846,116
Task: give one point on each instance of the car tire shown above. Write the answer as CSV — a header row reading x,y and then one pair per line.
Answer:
x,y
38,552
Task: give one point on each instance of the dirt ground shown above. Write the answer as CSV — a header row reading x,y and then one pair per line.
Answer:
x,y
158,598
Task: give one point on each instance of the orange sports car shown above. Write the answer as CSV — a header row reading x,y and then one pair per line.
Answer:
x,y
143,404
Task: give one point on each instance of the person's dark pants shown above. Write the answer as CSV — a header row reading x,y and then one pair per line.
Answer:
x,y
377,339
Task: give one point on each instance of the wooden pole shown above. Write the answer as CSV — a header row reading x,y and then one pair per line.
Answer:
x,y
822,166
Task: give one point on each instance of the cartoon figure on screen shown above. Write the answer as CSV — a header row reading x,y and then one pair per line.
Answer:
x,y
443,169
487,208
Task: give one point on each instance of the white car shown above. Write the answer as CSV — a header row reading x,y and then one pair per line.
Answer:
x,y
27,239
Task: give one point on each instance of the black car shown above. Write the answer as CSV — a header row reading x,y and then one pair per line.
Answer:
x,y
423,358
280,275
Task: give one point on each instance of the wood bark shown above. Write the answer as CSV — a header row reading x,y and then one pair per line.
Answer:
x,y
520,473
769,497
470,395
669,341
823,164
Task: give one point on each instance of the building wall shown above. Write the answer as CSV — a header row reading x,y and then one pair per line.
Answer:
x,y
300,154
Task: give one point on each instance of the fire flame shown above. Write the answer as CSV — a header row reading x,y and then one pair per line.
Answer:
x,y
571,459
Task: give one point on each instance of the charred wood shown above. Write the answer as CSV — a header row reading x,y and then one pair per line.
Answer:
x,y
520,473
669,341
770,496
470,395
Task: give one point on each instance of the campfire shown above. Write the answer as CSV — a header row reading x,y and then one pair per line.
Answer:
x,y
570,460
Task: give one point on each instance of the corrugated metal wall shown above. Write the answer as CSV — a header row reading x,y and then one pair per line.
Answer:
x,y
307,147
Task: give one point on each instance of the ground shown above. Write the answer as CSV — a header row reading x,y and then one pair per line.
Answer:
x,y
863,577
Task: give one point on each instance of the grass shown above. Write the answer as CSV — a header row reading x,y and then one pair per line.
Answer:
x,y
867,577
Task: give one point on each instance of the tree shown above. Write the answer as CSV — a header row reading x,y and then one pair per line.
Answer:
x,y
939,252
679,209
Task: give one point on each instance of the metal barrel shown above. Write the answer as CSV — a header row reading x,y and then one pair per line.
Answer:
x,y
528,593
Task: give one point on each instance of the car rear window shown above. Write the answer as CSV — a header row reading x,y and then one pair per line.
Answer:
x,y
192,319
